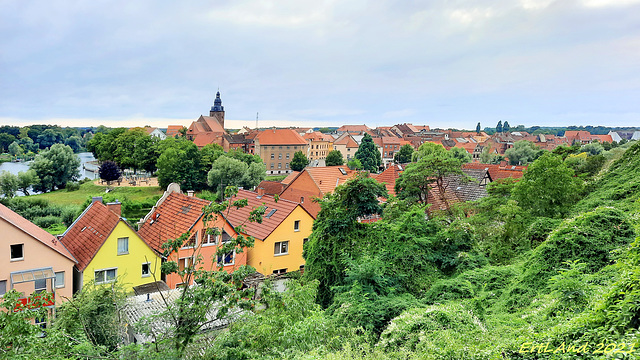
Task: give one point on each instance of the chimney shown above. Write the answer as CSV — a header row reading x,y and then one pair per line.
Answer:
x,y
260,191
116,207
96,198
190,193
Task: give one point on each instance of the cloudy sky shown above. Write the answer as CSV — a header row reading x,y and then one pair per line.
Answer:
x,y
321,63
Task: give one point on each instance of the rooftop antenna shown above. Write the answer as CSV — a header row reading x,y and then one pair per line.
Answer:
x,y
256,121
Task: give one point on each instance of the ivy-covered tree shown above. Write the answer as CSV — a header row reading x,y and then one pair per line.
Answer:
x,y
109,171
299,161
403,155
368,154
334,157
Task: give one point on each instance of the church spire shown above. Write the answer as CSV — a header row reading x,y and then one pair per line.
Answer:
x,y
217,104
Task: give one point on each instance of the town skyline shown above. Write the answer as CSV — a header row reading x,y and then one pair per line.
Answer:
x,y
543,63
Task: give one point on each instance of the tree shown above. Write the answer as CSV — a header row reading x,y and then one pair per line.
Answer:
x,y
506,127
28,145
499,127
429,172
145,153
15,149
354,164
548,187
55,167
8,184
460,154
334,237
74,142
522,152
125,147
225,172
334,157
594,148
6,140
368,154
49,137
109,171
27,179
403,156
299,161
180,162
478,129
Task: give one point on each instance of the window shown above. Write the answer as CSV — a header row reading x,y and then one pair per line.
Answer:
x,y
302,200
146,271
3,287
227,259
272,165
286,165
280,147
281,248
210,239
296,225
60,279
273,156
41,321
288,149
192,242
123,246
280,156
40,285
17,252
304,241
225,237
280,271
184,263
279,165
104,276
287,156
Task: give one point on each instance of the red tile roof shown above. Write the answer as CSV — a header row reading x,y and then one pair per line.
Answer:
x,y
498,171
389,177
87,234
348,141
354,128
286,181
34,231
173,130
327,178
280,137
173,217
261,231
205,138
271,187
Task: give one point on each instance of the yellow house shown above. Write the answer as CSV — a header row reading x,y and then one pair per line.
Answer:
x,y
106,248
279,239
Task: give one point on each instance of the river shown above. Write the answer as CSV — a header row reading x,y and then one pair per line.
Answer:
x,y
84,168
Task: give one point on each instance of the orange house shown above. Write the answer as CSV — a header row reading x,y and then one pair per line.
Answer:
x,y
175,214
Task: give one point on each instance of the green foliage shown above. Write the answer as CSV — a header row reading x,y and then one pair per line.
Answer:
x,y
403,156
334,157
589,238
569,287
460,154
368,154
180,162
26,179
17,334
8,184
449,289
548,187
522,152
354,164
499,127
594,148
42,212
299,161
15,149
93,313
55,167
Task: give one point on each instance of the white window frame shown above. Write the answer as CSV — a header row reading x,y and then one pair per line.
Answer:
x,y
233,259
280,271
105,281
277,248
148,269
16,259
60,284
296,225
5,288
206,241
127,242
38,290
195,243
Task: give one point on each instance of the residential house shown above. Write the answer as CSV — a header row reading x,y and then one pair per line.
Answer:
x,y
106,248
355,130
34,260
276,148
175,214
155,132
388,146
315,182
347,146
279,238
319,146
173,130
271,187
627,135
498,171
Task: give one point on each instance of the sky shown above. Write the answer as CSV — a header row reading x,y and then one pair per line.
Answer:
x,y
320,63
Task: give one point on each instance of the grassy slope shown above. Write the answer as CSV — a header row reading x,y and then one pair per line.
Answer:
x,y
78,197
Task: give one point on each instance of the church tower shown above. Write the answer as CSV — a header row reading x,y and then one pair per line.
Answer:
x,y
217,110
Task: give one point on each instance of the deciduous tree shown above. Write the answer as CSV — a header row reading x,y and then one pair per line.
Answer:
x,y
299,161
334,158
55,167
403,156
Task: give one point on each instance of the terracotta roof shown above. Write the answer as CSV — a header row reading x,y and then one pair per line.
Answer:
x,y
173,130
327,178
498,171
90,230
389,177
280,137
173,217
271,187
348,141
318,136
34,231
204,138
354,128
602,138
286,181
237,217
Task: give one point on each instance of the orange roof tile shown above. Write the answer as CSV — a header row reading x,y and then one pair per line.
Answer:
x,y
261,231
90,230
389,177
173,130
327,178
204,138
286,181
174,216
348,141
271,187
34,231
498,171
354,128
280,137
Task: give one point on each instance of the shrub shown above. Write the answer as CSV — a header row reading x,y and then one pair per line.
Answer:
x,y
540,229
449,289
73,186
47,221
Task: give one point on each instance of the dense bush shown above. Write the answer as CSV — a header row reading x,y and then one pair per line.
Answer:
x,y
449,289
540,229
